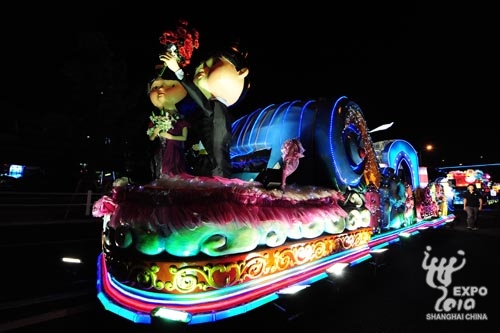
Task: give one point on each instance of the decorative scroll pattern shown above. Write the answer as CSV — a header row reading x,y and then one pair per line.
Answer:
x,y
371,172
179,277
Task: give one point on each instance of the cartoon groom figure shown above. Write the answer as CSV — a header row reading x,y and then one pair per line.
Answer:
x,y
220,80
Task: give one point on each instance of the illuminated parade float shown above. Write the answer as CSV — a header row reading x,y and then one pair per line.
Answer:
x,y
310,191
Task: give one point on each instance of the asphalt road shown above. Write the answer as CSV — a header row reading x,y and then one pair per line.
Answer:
x,y
390,293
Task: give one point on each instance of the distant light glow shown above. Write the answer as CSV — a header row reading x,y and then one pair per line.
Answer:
x,y
71,260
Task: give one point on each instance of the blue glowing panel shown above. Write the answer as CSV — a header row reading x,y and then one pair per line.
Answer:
x,y
328,129
397,152
16,171
270,127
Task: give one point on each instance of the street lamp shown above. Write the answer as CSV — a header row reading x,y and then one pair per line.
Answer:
x,y
428,148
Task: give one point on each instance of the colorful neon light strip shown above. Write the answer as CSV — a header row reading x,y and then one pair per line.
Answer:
x,y
129,306
136,305
389,237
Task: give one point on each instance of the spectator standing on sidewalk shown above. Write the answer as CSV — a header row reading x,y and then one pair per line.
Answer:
x,y
473,204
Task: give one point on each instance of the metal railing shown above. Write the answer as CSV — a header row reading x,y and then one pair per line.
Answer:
x,y
45,206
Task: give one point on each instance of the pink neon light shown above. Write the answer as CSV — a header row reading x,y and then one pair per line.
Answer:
x,y
234,301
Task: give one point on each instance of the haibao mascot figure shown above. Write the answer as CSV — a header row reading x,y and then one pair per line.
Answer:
x,y
219,81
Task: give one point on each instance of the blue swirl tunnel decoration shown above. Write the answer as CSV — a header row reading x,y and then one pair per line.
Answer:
x,y
401,156
332,132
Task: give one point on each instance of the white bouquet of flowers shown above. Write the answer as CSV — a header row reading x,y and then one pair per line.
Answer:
x,y
164,122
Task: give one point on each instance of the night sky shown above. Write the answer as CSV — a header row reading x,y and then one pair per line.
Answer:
x,y
430,71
